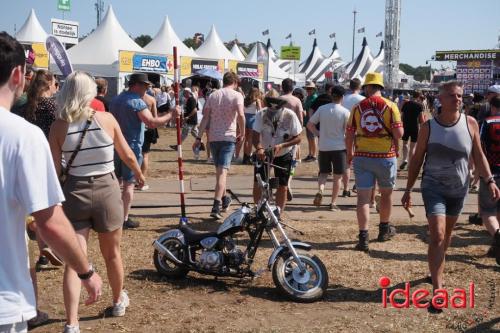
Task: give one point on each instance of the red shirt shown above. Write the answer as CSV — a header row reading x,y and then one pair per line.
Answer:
x,y
97,105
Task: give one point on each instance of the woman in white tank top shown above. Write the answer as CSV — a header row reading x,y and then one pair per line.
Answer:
x,y
93,197
253,104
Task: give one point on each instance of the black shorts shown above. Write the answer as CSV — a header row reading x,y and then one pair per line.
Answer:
x,y
332,160
150,137
410,134
283,176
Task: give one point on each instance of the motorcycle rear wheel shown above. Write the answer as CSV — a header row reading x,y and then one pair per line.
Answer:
x,y
306,288
166,267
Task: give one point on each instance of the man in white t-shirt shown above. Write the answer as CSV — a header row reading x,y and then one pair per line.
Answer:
x,y
332,156
28,185
276,129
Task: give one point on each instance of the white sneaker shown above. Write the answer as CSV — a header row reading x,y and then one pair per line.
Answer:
x,y
120,307
71,329
144,188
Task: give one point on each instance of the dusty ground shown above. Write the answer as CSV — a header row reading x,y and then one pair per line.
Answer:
x,y
352,304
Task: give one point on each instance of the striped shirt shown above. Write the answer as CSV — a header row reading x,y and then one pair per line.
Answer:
x,y
96,154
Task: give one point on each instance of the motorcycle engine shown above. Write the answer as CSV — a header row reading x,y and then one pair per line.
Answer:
x,y
235,257
211,260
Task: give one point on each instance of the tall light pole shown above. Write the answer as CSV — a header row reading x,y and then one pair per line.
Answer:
x,y
354,12
99,7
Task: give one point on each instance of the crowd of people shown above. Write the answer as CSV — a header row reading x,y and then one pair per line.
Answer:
x,y
89,162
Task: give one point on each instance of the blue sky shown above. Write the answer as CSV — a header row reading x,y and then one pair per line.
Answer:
x,y
426,25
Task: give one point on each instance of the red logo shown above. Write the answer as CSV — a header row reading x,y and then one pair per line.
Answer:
x,y
458,299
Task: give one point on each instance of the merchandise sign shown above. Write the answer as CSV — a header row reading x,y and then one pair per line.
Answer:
x,y
130,61
468,55
290,52
65,31
247,69
64,5
190,65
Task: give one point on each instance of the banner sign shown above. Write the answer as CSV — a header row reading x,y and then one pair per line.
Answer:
x,y
65,31
190,65
476,75
290,53
130,61
64,5
247,69
58,52
41,55
468,55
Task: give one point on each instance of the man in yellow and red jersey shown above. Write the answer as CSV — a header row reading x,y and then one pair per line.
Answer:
x,y
373,131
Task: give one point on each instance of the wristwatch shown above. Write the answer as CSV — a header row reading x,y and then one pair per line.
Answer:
x,y
88,274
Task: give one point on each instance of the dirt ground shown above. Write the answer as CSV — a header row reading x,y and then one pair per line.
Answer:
x,y
353,302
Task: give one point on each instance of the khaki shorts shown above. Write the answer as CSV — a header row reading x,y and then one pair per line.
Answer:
x,y
93,202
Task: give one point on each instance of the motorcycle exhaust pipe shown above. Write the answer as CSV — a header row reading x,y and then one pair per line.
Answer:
x,y
163,250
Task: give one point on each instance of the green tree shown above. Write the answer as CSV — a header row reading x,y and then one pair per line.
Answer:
x,y
420,73
190,42
143,40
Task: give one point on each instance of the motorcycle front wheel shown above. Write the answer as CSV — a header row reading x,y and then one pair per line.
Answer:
x,y
307,286
166,267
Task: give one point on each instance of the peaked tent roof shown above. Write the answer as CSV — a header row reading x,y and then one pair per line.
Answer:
x,y
285,65
98,53
213,47
360,66
235,50
258,53
378,62
313,61
331,63
31,31
165,40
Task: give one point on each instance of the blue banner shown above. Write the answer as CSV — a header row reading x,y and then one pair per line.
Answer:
x,y
150,63
57,51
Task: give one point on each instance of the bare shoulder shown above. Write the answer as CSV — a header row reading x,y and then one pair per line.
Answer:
x,y
472,122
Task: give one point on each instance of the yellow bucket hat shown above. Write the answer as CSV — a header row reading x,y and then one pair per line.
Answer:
x,y
374,78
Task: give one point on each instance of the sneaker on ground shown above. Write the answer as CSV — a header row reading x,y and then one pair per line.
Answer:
x,y
130,224
71,329
317,199
403,165
215,213
41,318
385,232
120,307
226,202
346,193
42,262
334,208
52,257
144,188
289,194
362,244
308,158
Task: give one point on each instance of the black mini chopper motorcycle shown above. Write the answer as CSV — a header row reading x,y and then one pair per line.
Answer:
x,y
297,274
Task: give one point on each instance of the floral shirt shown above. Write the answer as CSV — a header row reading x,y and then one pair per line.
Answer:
x,y
221,109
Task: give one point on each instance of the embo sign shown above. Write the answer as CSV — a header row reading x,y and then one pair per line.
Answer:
x,y
65,31
290,53
468,55
130,61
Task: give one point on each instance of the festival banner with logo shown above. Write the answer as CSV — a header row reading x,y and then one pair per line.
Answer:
x,y
41,55
247,69
467,55
476,75
130,61
58,52
190,65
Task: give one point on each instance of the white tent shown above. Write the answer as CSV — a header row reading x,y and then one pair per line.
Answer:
x,y
285,65
166,39
31,31
331,63
313,61
235,50
258,53
214,48
378,62
98,53
360,66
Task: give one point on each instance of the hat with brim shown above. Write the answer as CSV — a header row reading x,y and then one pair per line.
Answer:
x,y
494,89
138,78
275,102
374,79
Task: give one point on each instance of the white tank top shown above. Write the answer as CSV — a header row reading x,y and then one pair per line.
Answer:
x,y
96,154
252,108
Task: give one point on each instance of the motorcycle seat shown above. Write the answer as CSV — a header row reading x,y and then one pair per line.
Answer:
x,y
194,236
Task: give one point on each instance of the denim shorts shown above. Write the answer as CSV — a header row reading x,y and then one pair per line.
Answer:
x,y
222,153
368,169
122,171
436,203
249,120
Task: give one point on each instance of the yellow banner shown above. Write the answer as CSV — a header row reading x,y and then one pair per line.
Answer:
x,y
186,66
125,59
231,65
41,55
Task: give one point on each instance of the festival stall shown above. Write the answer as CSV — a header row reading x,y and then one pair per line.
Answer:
x,y
32,36
157,66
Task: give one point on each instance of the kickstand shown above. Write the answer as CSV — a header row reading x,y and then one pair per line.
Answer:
x,y
294,229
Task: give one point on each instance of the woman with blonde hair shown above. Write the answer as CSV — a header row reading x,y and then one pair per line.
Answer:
x,y
87,139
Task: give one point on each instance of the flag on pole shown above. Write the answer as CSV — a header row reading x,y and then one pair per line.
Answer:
x,y
332,35
361,30
379,34
289,36
265,32
312,32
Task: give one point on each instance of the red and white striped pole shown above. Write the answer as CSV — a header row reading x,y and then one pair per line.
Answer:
x,y
179,140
